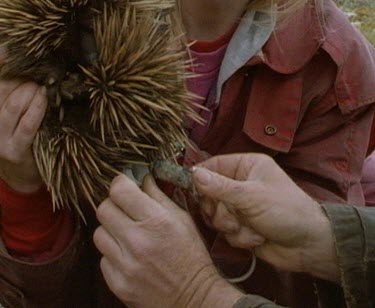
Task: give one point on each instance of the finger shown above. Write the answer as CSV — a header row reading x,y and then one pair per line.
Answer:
x,y
132,200
113,219
228,165
239,166
6,88
246,238
207,220
150,188
218,187
30,122
107,244
208,206
224,221
112,248
112,276
279,256
15,106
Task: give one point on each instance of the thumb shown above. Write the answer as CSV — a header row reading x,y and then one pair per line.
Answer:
x,y
218,187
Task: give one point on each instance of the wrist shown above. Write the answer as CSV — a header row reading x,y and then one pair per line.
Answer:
x,y
22,184
221,294
209,289
319,257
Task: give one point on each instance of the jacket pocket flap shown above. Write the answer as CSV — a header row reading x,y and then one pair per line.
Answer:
x,y
273,109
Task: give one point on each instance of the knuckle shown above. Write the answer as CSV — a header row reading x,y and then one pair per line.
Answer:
x,y
208,207
102,210
143,247
135,270
98,237
118,289
264,159
234,241
40,103
27,127
20,98
231,241
126,294
14,105
117,187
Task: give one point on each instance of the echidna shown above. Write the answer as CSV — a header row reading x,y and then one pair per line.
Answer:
x,y
115,74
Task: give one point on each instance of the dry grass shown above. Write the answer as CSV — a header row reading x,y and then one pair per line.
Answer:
x,y
363,15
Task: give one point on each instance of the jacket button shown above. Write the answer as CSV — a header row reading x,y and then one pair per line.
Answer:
x,y
270,130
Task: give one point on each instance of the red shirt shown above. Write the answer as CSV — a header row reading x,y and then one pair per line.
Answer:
x,y
29,227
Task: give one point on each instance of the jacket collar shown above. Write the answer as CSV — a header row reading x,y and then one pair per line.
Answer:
x,y
294,43
249,38
285,50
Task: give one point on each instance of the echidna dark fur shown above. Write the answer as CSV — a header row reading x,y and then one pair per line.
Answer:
x,y
115,77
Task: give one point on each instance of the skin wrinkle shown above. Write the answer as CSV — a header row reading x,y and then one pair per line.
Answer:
x,y
190,282
210,288
29,116
11,91
9,104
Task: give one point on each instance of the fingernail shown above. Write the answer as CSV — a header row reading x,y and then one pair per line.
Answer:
x,y
232,226
43,91
256,240
202,175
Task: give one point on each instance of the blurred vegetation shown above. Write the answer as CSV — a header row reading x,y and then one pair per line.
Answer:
x,y
362,15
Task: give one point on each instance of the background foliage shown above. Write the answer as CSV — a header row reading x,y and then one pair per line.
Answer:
x,y
362,15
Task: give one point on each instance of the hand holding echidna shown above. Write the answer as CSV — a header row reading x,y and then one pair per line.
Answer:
x,y
114,74
22,108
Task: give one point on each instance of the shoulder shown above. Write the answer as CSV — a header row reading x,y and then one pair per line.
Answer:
x,y
321,26
353,55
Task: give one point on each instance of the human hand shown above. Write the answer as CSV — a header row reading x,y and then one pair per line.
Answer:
x,y
153,255
256,205
22,108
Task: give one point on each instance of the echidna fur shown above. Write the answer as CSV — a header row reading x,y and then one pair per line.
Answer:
x,y
134,101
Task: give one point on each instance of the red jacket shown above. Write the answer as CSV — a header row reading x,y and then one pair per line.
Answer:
x,y
306,100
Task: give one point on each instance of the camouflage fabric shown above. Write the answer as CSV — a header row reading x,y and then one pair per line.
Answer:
x,y
354,233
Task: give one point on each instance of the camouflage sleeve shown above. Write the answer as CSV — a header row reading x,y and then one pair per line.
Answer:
x,y
254,301
354,233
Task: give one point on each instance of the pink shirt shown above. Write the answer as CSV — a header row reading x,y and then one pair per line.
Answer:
x,y
207,58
